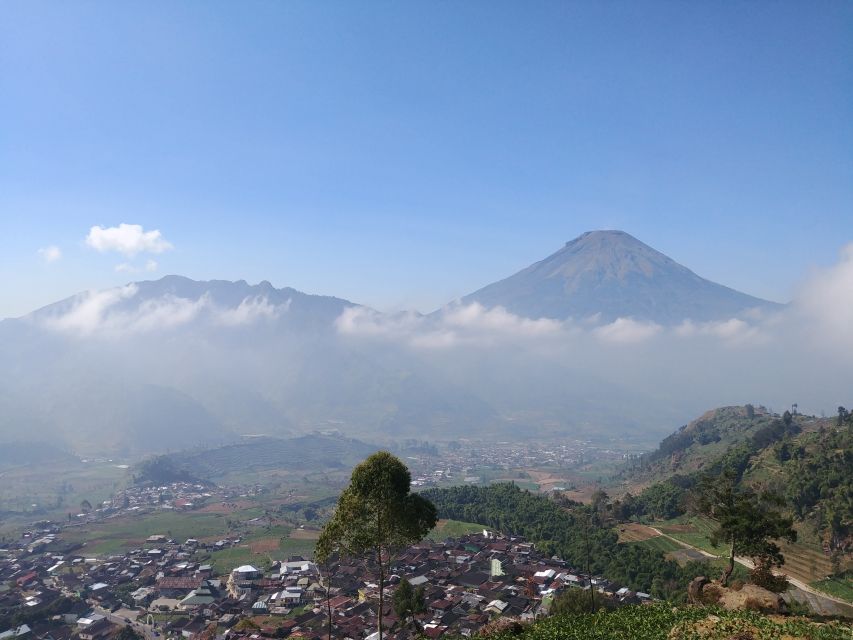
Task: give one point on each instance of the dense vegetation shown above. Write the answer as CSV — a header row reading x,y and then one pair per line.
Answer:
x,y
574,534
663,622
161,470
819,483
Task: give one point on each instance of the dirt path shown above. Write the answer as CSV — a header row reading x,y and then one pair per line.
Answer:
x,y
817,600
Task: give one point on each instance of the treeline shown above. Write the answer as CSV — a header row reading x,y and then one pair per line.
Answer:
x,y
575,534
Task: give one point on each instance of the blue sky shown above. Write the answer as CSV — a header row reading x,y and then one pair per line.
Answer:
x,y
402,154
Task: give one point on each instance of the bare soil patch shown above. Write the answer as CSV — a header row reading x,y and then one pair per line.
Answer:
x,y
635,532
264,545
584,494
305,534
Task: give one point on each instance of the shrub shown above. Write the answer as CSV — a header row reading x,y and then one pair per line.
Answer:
x,y
764,577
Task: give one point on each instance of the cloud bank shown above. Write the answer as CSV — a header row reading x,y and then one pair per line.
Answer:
x,y
543,371
114,313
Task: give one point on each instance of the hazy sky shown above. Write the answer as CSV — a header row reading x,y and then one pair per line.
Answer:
x,y
403,154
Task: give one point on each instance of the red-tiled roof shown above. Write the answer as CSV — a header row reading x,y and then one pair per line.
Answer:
x,y
179,582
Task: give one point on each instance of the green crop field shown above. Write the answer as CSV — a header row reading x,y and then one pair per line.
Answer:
x,y
663,622
659,543
694,531
838,587
126,533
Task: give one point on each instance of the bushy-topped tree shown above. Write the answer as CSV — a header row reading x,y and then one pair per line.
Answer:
x,y
748,522
377,515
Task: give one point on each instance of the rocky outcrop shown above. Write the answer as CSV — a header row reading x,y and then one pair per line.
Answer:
x,y
746,597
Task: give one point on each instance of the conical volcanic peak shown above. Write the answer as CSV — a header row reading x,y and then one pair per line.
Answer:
x,y
612,274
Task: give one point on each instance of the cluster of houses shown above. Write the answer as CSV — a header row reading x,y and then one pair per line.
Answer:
x,y
139,499
466,583
49,591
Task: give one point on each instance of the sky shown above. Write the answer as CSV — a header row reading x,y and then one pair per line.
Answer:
x,y
401,155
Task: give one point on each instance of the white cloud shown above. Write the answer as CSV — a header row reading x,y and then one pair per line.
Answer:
x,y
476,316
626,331
250,310
151,265
87,313
100,313
735,331
158,313
127,239
50,254
455,325
825,304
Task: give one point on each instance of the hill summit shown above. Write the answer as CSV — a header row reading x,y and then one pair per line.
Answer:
x,y
612,274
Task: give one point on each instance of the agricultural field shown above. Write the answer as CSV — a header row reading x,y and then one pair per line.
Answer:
x,y
803,561
53,491
695,531
635,532
261,550
837,587
123,534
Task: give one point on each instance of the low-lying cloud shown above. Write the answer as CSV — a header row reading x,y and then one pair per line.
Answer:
x,y
455,325
108,314
520,366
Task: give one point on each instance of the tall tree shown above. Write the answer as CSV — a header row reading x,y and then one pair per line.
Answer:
x,y
747,521
376,516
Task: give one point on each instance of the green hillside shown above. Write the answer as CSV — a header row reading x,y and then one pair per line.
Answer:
x,y
804,460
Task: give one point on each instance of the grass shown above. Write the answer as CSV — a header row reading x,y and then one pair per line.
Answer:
x,y
227,559
453,529
841,588
120,534
660,543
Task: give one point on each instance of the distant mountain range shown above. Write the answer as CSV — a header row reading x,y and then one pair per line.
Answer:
x,y
611,274
172,363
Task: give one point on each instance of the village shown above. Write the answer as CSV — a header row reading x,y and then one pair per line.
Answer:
x,y
56,583
52,592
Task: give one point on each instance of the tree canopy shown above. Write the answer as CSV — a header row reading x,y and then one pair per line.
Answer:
x,y
377,515
748,521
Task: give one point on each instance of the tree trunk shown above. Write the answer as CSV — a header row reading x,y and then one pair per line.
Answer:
x,y
329,603
381,592
727,572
